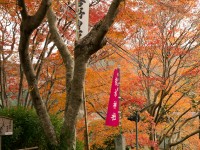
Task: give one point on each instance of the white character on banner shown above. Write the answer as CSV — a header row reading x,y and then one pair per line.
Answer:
x,y
113,117
115,92
115,105
116,81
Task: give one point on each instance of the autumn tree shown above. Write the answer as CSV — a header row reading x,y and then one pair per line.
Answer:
x,y
164,47
75,66
8,30
159,38
14,86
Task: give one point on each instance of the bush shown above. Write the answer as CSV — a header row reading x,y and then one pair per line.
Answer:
x,y
79,145
27,131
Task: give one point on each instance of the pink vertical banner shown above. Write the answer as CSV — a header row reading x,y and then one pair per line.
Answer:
x,y
112,118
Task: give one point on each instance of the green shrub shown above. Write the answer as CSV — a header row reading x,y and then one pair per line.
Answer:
x,y
79,145
27,131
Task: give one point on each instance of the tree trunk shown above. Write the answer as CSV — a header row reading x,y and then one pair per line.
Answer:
x,y
74,102
33,87
75,72
28,25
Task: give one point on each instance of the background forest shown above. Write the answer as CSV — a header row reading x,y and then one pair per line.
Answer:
x,y
156,43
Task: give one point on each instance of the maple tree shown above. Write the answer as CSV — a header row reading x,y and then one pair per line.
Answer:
x,y
160,83
31,18
157,42
163,48
7,47
165,52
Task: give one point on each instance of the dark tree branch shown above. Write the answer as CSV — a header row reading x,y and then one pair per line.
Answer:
x,y
94,40
188,119
24,13
174,124
185,138
33,21
98,112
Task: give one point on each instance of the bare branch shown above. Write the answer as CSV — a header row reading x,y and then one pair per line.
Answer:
x,y
24,13
185,138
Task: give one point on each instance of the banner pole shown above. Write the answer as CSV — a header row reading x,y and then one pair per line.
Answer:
x,y
77,20
120,112
84,99
87,146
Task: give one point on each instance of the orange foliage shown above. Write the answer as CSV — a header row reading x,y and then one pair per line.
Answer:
x,y
139,36
145,37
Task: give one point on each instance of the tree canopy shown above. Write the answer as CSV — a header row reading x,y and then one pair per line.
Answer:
x,y
155,43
